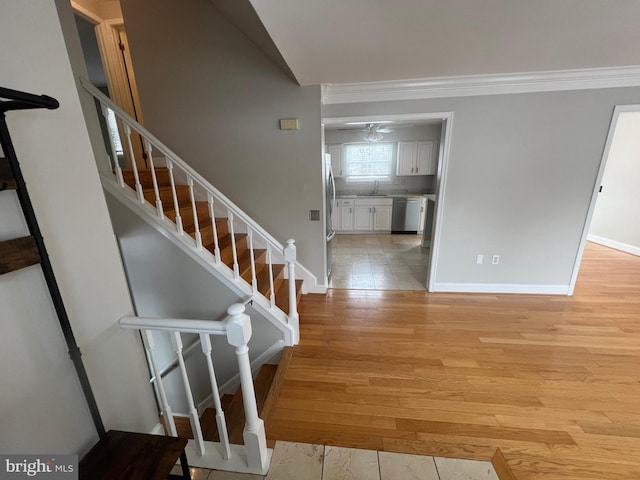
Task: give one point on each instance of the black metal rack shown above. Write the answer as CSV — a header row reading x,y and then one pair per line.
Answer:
x,y
31,250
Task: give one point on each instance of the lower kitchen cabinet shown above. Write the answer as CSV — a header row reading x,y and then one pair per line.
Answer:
x,y
363,215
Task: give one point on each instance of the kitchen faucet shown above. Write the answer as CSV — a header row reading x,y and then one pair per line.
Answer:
x,y
376,186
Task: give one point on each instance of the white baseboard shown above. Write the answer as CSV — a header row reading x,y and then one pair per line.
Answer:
x,y
231,385
501,288
158,429
623,247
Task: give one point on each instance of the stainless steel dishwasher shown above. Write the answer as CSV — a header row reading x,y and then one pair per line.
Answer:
x,y
405,216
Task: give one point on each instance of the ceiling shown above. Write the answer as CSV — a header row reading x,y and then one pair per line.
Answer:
x,y
354,41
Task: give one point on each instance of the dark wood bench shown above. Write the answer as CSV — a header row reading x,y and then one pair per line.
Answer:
x,y
134,456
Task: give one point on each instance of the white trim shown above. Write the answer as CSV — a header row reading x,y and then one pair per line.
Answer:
x,y
212,459
623,247
231,385
596,189
86,13
441,183
443,165
472,85
501,288
158,429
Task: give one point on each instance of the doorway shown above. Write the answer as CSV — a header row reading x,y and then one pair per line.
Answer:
x,y
375,258
615,202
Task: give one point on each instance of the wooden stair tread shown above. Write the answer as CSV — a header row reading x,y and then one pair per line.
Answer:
x,y
146,180
7,182
282,295
186,213
18,253
264,286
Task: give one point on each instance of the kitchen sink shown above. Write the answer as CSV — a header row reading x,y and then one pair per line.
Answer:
x,y
373,195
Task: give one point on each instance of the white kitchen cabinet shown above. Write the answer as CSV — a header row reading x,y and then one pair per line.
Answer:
x,y
337,163
415,158
382,218
346,212
372,214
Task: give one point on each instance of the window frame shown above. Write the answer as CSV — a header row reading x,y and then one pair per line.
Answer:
x,y
368,178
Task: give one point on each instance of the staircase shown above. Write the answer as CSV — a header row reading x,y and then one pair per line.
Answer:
x,y
189,211
267,386
197,222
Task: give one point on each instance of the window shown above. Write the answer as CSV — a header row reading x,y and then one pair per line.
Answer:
x,y
113,131
367,161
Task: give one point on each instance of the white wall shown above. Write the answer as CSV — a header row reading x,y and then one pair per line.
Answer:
x,y
41,405
615,217
166,282
520,177
216,99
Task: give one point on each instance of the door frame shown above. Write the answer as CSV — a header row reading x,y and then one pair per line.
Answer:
x,y
441,176
619,109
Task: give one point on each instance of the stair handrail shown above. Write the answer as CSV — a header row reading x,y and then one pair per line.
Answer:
x,y
288,252
125,117
237,328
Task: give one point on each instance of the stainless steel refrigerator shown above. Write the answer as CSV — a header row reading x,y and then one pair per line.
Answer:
x,y
330,189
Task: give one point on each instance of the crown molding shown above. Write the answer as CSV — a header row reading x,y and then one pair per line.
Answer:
x,y
472,85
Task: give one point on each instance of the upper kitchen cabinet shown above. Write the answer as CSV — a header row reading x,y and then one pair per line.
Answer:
x,y
337,163
415,158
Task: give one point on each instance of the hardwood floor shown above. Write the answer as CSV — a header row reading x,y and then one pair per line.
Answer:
x,y
553,381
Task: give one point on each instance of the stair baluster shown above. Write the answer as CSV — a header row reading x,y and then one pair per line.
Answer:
x,y
272,294
167,413
134,167
236,268
194,418
154,179
216,247
221,423
196,222
176,205
116,163
254,280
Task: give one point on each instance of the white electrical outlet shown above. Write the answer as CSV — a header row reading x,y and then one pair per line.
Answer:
x,y
479,259
495,260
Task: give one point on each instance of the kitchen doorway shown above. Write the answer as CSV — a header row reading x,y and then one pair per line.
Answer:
x,y
364,253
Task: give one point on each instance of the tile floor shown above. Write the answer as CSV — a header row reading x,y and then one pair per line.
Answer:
x,y
302,461
382,262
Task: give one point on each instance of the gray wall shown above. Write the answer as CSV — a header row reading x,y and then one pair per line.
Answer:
x,y
166,282
521,172
214,98
617,211
404,184
41,405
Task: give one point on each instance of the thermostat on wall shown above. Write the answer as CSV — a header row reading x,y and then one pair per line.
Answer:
x,y
289,124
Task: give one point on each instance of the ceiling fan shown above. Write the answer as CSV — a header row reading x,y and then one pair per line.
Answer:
x,y
374,132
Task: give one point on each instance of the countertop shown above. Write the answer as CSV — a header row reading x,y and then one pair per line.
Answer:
x,y
386,195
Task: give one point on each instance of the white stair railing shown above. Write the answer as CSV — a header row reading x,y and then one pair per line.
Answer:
x,y
254,456
197,190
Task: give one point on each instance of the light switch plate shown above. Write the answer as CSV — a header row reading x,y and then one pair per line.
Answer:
x,y
314,215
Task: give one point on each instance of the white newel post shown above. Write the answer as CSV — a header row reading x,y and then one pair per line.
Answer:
x,y
290,258
238,335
